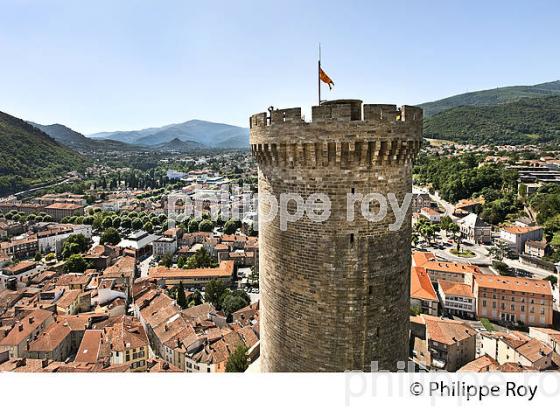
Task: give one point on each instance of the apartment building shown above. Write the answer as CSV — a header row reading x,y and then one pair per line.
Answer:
x,y
457,299
512,299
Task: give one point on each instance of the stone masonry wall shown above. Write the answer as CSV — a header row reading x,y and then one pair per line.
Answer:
x,y
335,295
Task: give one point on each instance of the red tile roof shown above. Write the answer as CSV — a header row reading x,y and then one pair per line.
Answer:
x,y
514,284
421,286
161,272
450,288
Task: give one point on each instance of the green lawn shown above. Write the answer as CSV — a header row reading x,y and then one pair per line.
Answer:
x,y
463,254
487,325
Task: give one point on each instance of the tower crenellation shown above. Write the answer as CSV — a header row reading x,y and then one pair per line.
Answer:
x,y
339,133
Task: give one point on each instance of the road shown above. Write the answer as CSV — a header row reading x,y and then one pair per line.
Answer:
x,y
538,272
449,208
27,191
145,266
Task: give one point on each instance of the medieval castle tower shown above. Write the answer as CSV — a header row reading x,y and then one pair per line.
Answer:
x,y
335,294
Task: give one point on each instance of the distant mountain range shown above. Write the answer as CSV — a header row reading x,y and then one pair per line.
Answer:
x,y
30,157
491,97
72,139
207,134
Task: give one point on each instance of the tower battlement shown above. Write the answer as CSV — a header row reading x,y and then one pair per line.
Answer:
x,y
342,133
340,111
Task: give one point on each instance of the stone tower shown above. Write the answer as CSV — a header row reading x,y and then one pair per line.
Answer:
x,y
335,294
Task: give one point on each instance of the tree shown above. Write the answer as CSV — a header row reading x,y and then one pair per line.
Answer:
x,y
75,263
200,259
74,244
181,262
148,227
553,279
237,361
456,231
232,303
116,222
110,236
502,268
136,223
242,294
50,256
69,249
38,257
193,225
230,227
126,223
206,225
195,299
80,240
167,260
214,291
107,222
181,298
445,222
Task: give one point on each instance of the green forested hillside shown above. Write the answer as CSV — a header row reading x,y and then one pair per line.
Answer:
x,y
494,96
28,156
530,120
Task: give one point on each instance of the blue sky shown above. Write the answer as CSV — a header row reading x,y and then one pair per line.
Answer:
x,y
107,65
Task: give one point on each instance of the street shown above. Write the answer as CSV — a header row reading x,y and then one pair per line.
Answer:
x,y
145,266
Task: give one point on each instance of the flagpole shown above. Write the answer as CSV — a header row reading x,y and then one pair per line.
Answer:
x,y
319,75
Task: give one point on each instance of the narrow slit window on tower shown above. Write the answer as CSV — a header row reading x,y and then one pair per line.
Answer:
x,y
370,289
353,190
351,239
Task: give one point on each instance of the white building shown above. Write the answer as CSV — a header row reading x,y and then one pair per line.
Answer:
x,y
431,214
457,299
474,229
164,245
53,238
171,174
516,236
